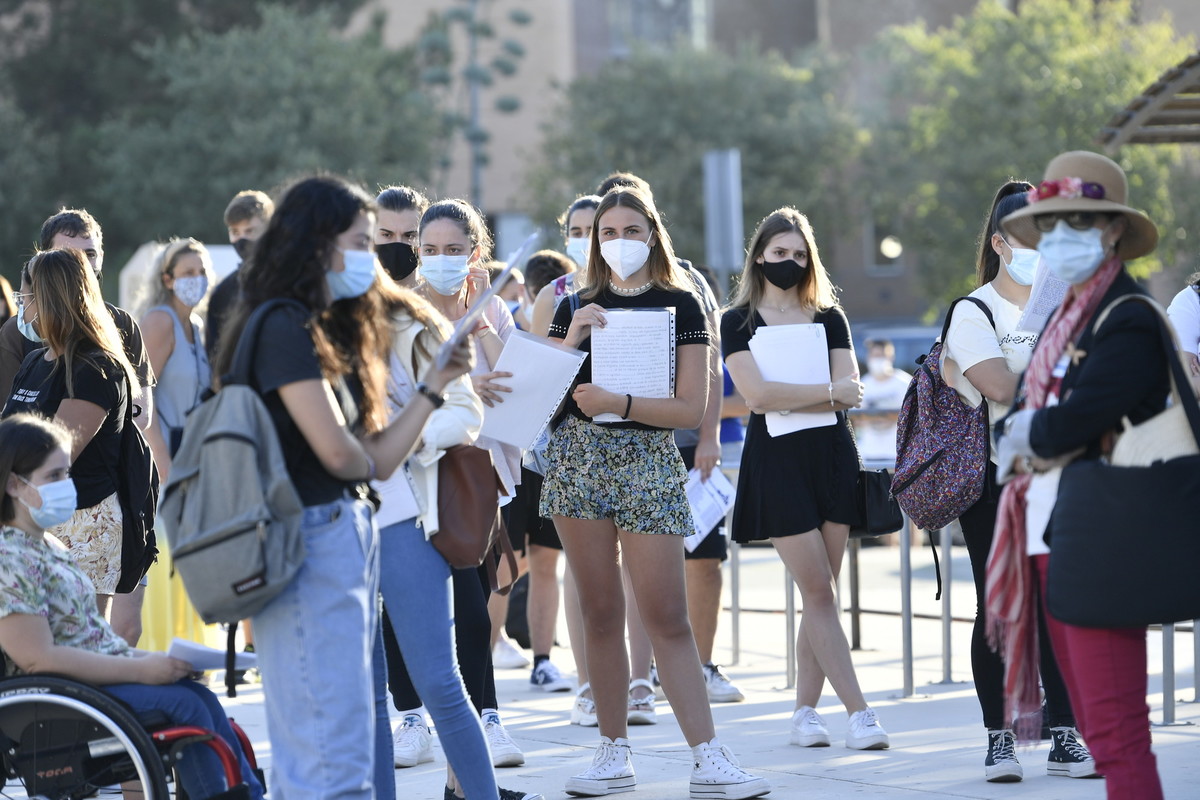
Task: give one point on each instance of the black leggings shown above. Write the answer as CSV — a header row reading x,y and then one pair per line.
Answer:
x,y
978,526
472,643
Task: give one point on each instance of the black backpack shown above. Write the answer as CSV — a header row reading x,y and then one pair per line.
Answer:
x,y
137,492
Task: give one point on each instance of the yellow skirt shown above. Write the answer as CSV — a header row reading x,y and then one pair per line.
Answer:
x,y
167,612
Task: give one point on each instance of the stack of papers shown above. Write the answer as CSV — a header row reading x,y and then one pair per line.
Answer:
x,y
796,354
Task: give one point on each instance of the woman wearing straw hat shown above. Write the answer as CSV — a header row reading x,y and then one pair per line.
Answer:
x,y
1079,385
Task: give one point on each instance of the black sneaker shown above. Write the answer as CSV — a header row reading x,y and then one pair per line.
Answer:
x,y
1001,765
1069,756
509,794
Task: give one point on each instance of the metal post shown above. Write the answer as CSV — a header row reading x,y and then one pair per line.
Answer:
x,y
906,611
790,613
1196,659
735,604
1168,648
855,608
947,614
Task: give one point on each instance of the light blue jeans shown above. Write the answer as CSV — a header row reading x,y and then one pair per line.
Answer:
x,y
315,643
188,703
415,583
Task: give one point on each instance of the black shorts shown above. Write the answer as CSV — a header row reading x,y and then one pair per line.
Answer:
x,y
715,545
522,515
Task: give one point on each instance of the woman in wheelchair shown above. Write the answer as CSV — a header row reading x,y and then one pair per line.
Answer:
x,y
48,617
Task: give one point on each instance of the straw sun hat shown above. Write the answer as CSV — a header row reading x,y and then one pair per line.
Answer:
x,y
1084,181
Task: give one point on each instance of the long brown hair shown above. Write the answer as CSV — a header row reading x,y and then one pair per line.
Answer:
x,y
71,314
406,307
815,291
664,269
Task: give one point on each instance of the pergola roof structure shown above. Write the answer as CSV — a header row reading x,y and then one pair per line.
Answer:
x,y
1166,112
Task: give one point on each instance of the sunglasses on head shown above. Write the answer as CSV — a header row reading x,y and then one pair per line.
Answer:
x,y
1079,220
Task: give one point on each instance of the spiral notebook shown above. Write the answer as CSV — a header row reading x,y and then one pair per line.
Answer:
x,y
634,354
542,372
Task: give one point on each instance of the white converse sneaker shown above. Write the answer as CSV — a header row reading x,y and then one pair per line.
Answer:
x,y
583,711
720,688
808,729
715,773
505,655
546,677
611,771
505,752
1001,765
865,732
413,743
641,709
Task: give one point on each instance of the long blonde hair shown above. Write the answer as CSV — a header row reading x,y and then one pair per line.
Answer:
x,y
815,291
665,272
155,292
72,317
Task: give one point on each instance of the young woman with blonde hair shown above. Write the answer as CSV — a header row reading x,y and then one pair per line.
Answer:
x,y
797,490
620,489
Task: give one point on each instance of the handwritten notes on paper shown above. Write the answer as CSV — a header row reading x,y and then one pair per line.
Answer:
x,y
634,354
796,354
542,372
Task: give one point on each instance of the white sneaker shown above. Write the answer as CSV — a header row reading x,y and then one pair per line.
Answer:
x,y
865,732
545,676
808,729
720,688
715,773
505,752
505,655
583,710
641,710
412,743
611,771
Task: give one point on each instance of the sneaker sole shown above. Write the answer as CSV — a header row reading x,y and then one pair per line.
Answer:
x,y
1004,774
562,686
404,763
871,743
1076,770
508,759
585,787
730,791
735,697
812,740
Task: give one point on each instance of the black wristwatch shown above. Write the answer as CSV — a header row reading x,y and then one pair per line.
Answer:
x,y
437,399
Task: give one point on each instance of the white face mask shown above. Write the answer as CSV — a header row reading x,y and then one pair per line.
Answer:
x,y
1071,255
577,249
58,502
1022,267
879,366
625,256
191,291
446,274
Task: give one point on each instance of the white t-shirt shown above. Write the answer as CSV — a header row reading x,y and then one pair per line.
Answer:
x,y
877,436
1184,312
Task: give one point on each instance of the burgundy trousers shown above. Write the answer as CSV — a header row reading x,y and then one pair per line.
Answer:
x,y
1105,671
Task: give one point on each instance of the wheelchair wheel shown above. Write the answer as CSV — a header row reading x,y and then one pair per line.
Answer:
x,y
65,740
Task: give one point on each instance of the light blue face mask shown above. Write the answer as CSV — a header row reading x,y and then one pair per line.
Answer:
x,y
26,327
191,291
356,278
446,274
58,502
1022,266
1071,255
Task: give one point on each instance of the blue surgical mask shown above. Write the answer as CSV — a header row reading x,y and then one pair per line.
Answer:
x,y
191,291
1022,267
26,327
58,502
446,274
1074,256
356,278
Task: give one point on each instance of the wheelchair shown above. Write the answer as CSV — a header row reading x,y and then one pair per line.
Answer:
x,y
65,740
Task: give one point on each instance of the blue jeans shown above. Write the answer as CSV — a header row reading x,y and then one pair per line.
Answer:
x,y
314,644
415,583
189,703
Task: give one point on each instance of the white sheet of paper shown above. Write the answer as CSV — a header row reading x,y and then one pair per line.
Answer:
x,y
202,657
793,354
542,372
634,354
710,501
1045,295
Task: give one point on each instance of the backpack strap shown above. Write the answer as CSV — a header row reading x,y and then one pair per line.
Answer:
x,y
241,370
987,312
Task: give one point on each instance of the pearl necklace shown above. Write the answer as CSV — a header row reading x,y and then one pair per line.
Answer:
x,y
630,292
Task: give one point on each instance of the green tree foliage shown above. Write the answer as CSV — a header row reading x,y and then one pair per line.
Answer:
x,y
253,107
657,113
998,95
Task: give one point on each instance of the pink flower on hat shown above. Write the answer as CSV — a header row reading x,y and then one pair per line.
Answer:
x,y
1070,188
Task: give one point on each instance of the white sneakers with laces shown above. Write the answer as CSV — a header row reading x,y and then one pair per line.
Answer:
x,y
865,731
808,729
720,688
412,742
1001,764
505,752
611,771
716,774
505,655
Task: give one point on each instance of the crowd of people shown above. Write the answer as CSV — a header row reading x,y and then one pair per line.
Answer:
x,y
364,412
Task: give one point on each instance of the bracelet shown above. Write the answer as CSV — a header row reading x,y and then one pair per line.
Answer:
x,y
831,405
430,395
628,405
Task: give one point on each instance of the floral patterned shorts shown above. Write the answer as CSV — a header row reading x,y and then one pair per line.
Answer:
x,y
634,477
93,535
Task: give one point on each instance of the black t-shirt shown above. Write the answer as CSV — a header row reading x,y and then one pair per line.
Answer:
x,y
735,336
41,386
220,303
285,354
691,327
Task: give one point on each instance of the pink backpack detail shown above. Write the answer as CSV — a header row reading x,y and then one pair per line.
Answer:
x,y
942,444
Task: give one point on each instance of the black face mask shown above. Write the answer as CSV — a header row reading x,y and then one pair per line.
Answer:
x,y
784,274
243,247
398,258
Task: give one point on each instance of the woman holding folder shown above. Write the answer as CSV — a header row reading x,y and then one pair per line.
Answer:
x,y
797,490
620,488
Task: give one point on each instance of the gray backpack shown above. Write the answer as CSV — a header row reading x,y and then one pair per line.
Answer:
x,y
231,513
